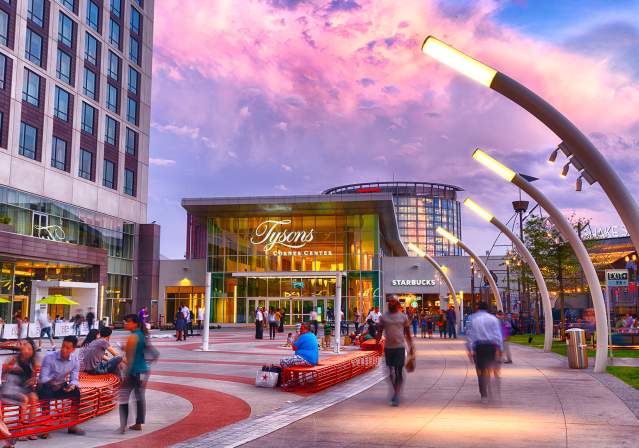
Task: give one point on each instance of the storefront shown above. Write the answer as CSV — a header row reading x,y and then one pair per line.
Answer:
x,y
286,253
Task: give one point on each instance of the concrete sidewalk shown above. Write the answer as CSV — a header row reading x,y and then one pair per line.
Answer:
x,y
543,404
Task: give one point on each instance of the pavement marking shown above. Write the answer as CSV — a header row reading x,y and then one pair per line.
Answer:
x,y
251,429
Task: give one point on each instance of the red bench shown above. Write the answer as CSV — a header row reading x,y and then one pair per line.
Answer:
x,y
98,395
329,371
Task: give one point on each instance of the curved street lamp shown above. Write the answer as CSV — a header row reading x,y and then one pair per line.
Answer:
x,y
491,281
584,154
568,233
527,256
442,272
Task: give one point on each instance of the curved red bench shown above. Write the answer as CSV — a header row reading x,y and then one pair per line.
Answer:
x,y
98,395
329,371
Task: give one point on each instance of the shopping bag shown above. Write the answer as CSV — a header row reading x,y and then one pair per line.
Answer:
x,y
266,379
410,363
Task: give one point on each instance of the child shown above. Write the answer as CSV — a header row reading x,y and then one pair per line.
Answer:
x,y
289,340
326,342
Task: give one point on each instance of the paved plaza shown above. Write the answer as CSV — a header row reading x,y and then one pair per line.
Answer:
x,y
198,399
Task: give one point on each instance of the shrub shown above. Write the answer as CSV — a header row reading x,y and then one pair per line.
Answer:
x,y
5,220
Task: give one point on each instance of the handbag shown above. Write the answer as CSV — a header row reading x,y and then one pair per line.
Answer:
x,y
266,379
410,363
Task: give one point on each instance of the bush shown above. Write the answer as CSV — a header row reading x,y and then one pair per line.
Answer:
x,y
5,220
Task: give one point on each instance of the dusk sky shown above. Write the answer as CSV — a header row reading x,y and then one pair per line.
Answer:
x,y
279,97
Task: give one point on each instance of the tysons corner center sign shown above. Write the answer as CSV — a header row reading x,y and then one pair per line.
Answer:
x,y
421,282
273,233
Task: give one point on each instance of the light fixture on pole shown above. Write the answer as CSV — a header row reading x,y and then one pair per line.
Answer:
x,y
565,169
579,183
553,156
443,272
530,261
587,154
569,235
491,281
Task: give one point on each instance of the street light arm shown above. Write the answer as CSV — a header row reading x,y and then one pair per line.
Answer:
x,y
487,274
541,284
581,147
569,235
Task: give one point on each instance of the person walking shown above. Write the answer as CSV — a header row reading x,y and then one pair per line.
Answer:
x,y
314,322
357,319
187,315
45,329
90,318
506,329
189,323
397,328
451,322
259,323
180,326
423,323
77,323
272,323
136,375
441,324
200,318
485,343
282,317
415,323
429,326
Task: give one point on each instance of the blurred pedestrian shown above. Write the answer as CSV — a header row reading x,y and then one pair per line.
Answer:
x,y
397,328
451,322
314,321
282,317
423,323
415,323
77,323
20,380
259,323
485,343
506,329
272,323
136,375
357,319
90,318
45,329
180,326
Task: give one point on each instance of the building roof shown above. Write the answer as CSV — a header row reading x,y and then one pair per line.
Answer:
x,y
397,186
380,204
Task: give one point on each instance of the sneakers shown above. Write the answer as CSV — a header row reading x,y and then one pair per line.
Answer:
x,y
394,401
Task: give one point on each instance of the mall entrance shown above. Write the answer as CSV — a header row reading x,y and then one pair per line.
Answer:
x,y
298,309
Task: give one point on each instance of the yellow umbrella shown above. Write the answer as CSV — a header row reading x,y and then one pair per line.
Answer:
x,y
4,300
57,299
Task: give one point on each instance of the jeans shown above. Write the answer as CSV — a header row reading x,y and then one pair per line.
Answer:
x,y
109,366
452,331
133,383
272,327
259,329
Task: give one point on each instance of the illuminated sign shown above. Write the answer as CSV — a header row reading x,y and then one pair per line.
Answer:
x,y
616,277
605,232
422,282
273,232
53,232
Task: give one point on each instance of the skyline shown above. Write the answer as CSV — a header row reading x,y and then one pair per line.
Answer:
x,y
302,96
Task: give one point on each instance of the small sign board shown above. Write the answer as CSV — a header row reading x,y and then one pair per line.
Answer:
x,y
616,277
299,285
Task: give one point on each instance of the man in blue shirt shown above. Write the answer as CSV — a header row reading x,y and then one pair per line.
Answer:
x,y
306,350
59,377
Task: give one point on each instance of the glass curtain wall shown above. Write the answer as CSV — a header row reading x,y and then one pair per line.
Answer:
x,y
350,244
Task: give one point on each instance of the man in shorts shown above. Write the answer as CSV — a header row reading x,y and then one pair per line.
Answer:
x,y
397,328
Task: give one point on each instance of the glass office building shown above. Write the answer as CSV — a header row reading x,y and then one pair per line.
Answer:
x,y
287,252
420,208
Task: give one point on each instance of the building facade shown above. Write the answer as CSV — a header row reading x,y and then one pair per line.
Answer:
x,y
420,208
75,90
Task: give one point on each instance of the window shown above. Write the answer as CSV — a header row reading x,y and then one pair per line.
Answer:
x,y
35,12
59,154
86,163
61,106
31,88
69,4
65,30
112,98
114,33
116,7
93,15
135,20
129,182
3,70
109,174
1,124
132,111
134,50
4,28
111,131
28,140
114,66
131,141
33,48
134,80
91,49
89,83
63,67
88,118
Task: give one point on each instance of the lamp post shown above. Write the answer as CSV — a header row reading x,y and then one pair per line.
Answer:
x,y
472,283
569,235
583,152
442,272
207,313
508,309
491,281
530,261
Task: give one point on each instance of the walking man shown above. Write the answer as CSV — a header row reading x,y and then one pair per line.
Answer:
x,y
397,328
485,343
314,321
45,328
136,376
451,322
90,319
259,323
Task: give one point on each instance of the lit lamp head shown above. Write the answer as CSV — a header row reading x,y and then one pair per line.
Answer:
x,y
449,236
416,249
495,166
478,210
457,60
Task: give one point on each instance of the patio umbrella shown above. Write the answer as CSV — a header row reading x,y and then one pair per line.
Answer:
x,y
57,299
4,300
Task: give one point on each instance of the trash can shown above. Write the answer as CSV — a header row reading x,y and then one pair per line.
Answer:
x,y
577,355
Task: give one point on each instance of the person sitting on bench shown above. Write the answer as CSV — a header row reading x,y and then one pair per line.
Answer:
x,y
95,360
53,384
306,350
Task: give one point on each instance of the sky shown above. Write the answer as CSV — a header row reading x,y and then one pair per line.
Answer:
x,y
279,97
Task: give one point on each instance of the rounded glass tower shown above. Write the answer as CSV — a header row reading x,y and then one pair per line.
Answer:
x,y
420,208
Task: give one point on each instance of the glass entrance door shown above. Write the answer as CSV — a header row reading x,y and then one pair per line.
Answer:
x,y
297,309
